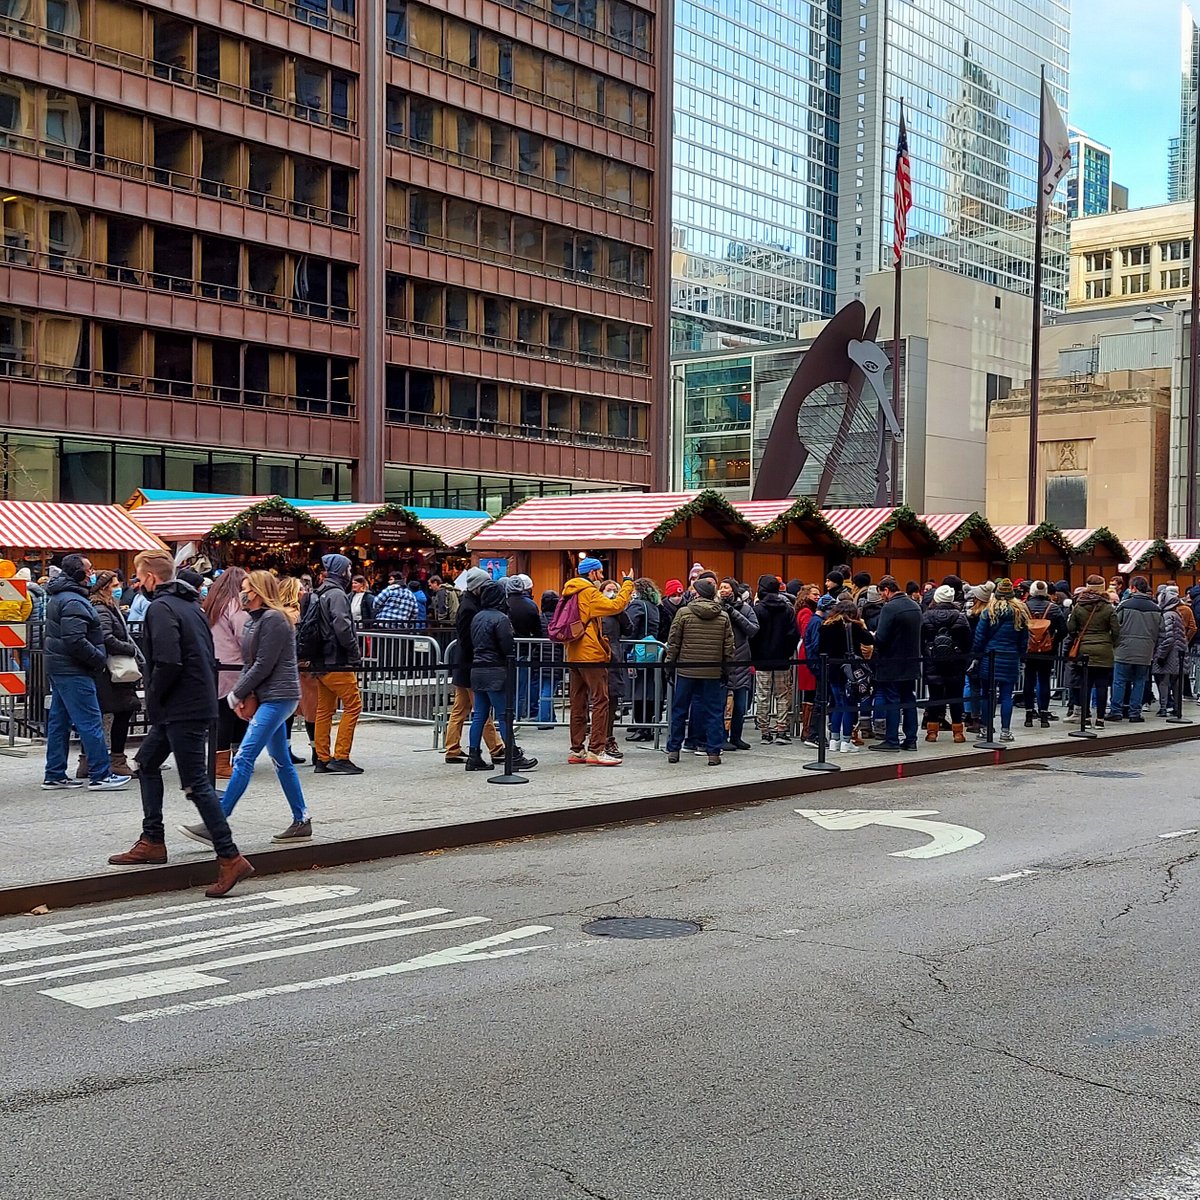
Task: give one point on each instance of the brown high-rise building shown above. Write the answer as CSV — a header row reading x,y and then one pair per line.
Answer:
x,y
333,250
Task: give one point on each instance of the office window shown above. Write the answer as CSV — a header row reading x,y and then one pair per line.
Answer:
x,y
1135,256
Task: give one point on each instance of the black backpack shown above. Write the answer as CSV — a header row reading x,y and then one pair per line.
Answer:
x,y
942,647
310,636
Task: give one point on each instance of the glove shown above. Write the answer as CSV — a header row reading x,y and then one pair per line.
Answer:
x,y
232,701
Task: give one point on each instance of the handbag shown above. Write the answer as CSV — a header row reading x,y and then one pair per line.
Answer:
x,y
123,668
247,707
858,678
1073,652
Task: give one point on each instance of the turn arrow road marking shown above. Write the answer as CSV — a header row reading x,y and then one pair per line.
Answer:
x,y
947,838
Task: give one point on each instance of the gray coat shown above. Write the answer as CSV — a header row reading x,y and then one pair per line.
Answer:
x,y
1141,622
269,652
745,625
1172,640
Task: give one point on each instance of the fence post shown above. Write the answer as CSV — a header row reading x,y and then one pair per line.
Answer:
x,y
820,713
1177,717
1085,700
988,741
510,742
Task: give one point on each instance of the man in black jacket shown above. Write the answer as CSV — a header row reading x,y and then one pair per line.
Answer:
x,y
336,669
772,650
74,658
526,619
897,664
181,705
462,658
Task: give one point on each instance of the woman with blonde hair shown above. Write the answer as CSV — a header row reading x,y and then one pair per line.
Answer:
x,y
227,621
265,694
1001,640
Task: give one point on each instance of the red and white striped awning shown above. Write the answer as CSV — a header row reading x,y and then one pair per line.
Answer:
x,y
1184,548
763,512
857,525
191,520
455,531
1078,538
450,531
945,525
1013,535
44,525
608,521
1139,549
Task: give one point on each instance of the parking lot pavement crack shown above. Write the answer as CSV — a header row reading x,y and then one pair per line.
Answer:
x,y
1171,882
569,1176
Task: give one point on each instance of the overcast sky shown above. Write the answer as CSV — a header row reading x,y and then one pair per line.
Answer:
x,y
1125,86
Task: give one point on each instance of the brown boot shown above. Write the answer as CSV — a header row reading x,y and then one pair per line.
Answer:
x,y
960,734
224,764
230,871
142,852
122,766
806,712
931,730
81,771
856,738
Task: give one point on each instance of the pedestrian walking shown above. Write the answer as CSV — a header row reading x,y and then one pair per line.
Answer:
x,y
462,659
897,663
588,657
842,635
75,657
700,645
1169,653
117,684
772,650
492,646
227,619
1001,640
1140,621
266,694
331,646
1094,635
739,679
181,705
1047,632
945,651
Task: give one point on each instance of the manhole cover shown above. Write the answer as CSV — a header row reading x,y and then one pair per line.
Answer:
x,y
641,927
1109,774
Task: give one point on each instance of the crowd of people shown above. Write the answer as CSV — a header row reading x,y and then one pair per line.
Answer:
x,y
837,662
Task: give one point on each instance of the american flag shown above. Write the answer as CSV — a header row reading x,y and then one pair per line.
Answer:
x,y
903,191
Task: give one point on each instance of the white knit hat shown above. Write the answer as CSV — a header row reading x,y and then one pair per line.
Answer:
x,y
943,594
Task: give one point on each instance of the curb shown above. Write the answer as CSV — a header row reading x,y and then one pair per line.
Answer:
x,y
93,889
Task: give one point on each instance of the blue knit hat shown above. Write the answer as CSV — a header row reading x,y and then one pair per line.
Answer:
x,y
826,601
588,565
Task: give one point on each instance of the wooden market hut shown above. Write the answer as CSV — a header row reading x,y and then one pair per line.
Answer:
x,y
794,541
1151,557
1035,551
885,541
967,547
1094,552
32,532
379,537
1187,551
656,534
242,530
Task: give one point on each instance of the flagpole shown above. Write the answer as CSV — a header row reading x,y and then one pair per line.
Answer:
x,y
1190,516
893,488
1035,358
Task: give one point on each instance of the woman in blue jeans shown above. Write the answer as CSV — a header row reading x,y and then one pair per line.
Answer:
x,y
271,677
1001,640
842,635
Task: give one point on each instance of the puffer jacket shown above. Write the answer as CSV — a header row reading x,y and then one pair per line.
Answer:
x,y
462,653
1172,639
269,652
833,641
1093,613
1140,621
701,633
181,668
116,697
340,649
594,606
950,618
745,625
74,639
16,612
997,635
492,640
773,647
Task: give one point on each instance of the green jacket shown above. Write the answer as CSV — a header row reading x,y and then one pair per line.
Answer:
x,y
1094,613
701,633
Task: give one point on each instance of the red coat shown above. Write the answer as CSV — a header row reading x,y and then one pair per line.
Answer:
x,y
805,680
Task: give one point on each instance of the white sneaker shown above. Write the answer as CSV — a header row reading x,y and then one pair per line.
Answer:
x,y
606,760
850,748
835,746
114,783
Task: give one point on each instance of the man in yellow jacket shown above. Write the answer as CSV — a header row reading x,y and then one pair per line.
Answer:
x,y
589,681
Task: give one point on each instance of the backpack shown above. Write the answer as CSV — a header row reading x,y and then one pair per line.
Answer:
x,y
942,646
1041,636
565,625
310,640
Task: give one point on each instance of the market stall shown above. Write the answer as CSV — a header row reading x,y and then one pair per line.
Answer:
x,y
1035,551
968,548
885,541
1094,552
793,541
1153,558
33,533
656,534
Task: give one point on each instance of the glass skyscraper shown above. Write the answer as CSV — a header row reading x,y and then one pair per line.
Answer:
x,y
1180,171
755,172
1090,187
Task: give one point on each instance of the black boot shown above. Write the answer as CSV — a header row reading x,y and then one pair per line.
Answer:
x,y
475,762
1029,719
1044,717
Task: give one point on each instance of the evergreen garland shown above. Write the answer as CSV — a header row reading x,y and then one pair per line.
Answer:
x,y
803,511
1103,537
1051,533
395,510
706,503
1160,548
902,516
233,527
976,525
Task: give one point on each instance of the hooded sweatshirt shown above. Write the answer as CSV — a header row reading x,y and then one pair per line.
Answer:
x,y
491,640
701,634
774,645
340,649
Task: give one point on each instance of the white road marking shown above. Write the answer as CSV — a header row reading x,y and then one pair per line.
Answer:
x,y
470,952
103,992
1180,1180
947,838
1011,875
176,914
258,931
1179,833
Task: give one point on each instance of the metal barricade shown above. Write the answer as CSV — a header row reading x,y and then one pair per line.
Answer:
x,y
403,678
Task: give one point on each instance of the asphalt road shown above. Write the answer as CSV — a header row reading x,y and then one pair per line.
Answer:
x,y
1015,1019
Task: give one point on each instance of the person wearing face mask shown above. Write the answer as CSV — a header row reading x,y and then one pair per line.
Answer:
x,y
75,656
617,627
267,691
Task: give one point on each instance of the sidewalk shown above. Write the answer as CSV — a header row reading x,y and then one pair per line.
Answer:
x,y
48,836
